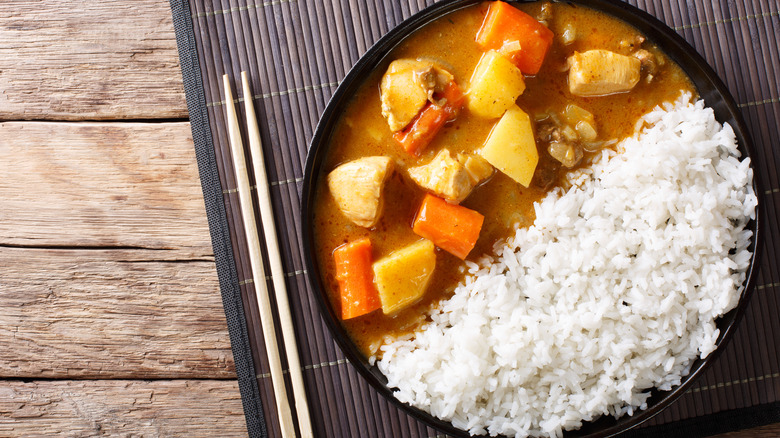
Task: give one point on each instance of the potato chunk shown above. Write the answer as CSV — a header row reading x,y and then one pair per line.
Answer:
x,y
357,188
511,146
402,277
601,72
495,86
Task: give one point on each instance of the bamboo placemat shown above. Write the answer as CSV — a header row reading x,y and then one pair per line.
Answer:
x,y
296,52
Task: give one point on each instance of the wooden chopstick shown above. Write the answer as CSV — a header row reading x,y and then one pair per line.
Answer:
x,y
258,272
275,260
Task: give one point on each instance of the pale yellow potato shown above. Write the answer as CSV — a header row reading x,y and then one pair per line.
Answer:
x,y
511,147
495,86
402,277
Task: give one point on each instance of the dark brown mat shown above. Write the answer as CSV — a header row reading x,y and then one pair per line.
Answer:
x,y
297,51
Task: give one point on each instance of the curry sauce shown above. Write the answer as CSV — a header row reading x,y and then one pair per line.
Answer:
x,y
450,41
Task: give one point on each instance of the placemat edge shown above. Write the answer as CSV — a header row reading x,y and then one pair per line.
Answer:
x,y
217,219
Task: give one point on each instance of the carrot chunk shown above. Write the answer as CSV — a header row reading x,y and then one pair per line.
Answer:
x,y
424,127
356,278
516,35
453,228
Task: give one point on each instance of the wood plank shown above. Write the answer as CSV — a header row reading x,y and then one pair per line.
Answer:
x,y
99,59
200,408
110,314
101,184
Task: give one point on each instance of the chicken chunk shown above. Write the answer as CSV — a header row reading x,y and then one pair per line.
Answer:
x,y
449,178
478,168
601,72
406,87
357,188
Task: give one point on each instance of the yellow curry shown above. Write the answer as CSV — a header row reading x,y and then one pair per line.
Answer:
x,y
516,114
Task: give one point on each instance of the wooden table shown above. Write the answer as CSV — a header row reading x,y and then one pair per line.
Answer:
x,y
111,319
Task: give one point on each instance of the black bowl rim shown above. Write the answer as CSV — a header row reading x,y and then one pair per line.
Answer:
x,y
715,96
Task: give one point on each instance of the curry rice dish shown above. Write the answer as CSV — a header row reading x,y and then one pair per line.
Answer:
x,y
517,233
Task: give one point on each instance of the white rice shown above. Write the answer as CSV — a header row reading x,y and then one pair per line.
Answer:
x,y
614,290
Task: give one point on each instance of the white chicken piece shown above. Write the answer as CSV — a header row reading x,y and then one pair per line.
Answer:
x,y
601,72
406,87
478,168
449,178
357,188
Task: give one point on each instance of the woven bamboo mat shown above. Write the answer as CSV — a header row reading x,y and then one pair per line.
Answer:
x,y
296,52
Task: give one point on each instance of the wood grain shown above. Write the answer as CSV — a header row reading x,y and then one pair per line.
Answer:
x,y
201,408
106,256
92,59
110,314
101,185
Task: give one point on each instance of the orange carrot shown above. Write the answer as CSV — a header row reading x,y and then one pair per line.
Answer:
x,y
424,127
453,228
356,278
524,40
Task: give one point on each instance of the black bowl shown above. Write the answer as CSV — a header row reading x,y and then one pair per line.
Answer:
x,y
710,88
